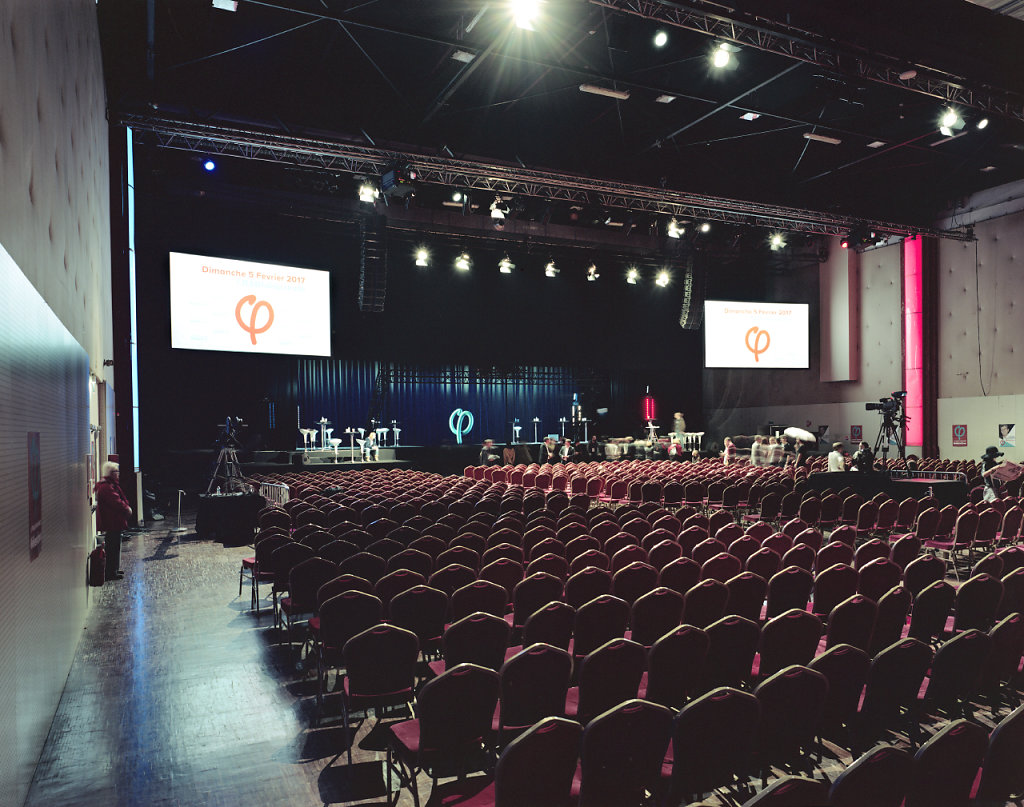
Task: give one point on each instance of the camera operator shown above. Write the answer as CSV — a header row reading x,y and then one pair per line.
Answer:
x,y
863,458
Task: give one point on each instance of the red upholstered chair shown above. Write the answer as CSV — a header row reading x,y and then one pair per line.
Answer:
x,y
609,675
680,575
675,666
832,586
945,767
788,588
534,683
746,595
479,638
705,603
790,638
764,562
654,614
879,777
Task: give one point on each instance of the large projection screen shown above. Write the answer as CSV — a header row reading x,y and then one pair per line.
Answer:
x,y
248,307
755,335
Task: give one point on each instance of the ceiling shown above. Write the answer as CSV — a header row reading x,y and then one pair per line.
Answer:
x,y
458,81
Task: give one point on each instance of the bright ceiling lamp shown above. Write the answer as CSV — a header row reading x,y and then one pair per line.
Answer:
x,y
209,165
982,123
674,230
422,257
525,13
462,263
950,122
660,39
550,270
592,273
226,5
368,193
777,241
705,227
632,275
662,278
505,265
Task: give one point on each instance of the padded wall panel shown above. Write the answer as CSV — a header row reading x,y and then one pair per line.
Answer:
x,y
981,289
981,416
44,386
54,204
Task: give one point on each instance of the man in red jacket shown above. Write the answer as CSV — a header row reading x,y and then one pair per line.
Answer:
x,y
112,514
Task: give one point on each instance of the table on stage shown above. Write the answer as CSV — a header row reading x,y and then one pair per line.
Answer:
x,y
230,518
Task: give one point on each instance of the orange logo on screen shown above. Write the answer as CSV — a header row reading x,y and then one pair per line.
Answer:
x,y
754,342
250,327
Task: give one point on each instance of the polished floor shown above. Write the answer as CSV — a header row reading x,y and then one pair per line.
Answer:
x,y
180,697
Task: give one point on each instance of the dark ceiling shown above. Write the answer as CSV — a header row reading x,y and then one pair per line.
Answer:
x,y
388,73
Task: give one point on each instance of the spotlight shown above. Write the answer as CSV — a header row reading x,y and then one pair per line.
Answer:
x,y
525,13
422,257
777,241
705,227
721,57
982,123
632,275
210,165
845,243
462,263
950,122
456,196
592,273
498,208
660,39
662,278
368,193
550,270
949,118
674,230
505,265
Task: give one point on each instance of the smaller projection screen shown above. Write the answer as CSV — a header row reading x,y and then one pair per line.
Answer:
x,y
247,307
755,335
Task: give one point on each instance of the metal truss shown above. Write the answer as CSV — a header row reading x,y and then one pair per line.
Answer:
x,y
497,178
485,375
800,45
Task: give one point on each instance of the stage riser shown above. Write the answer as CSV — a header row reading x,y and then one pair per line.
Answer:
x,y
867,485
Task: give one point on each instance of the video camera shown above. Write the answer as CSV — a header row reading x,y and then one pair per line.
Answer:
x,y
888,406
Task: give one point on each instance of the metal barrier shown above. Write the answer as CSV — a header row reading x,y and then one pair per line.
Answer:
x,y
274,493
946,476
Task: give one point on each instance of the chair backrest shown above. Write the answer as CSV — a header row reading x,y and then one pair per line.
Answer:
x,y
852,622
713,740
765,562
877,577
1002,773
788,588
792,705
789,638
346,614
675,665
537,767
956,668
551,624
479,639
680,575
832,586
532,593
533,685
609,675
393,584
923,572
891,618
614,770
893,681
586,584
634,580
746,595
705,603
732,645
598,621
451,578
381,660
791,791
945,766
931,607
846,668
833,553
879,777
422,610
455,710
977,602
654,614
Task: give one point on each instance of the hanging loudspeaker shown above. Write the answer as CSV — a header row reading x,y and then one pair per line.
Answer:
x,y
691,315
373,264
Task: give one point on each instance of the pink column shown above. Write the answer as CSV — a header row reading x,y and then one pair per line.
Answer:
x,y
913,366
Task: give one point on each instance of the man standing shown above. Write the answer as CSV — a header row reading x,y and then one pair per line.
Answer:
x,y
679,424
836,460
112,514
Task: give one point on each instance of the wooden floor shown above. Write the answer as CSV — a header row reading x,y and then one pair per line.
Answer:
x,y
179,696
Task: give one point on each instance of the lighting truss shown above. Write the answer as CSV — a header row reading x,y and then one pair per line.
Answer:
x,y
488,375
496,178
808,47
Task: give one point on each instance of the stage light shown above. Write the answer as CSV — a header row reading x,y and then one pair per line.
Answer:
x,y
498,208
226,5
209,165
982,123
721,57
777,241
592,273
456,196
422,257
368,193
660,39
845,242
949,118
607,92
951,122
462,263
550,270
525,13
820,138
674,230
505,265
705,227
662,278
632,275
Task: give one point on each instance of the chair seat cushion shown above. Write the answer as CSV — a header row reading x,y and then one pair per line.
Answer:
x,y
572,702
407,733
248,563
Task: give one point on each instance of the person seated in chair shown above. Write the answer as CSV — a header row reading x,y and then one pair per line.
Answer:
x,y
370,446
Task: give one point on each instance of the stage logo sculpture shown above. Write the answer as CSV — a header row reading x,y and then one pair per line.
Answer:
x,y
250,326
755,345
460,422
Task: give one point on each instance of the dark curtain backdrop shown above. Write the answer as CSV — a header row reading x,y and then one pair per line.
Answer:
x,y
342,392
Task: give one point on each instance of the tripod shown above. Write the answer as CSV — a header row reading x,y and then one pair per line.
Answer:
x,y
228,469
892,429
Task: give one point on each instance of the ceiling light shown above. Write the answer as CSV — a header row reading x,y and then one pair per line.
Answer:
x,y
777,241
951,122
665,99
674,230
368,193
505,265
906,75
705,227
949,118
456,196
721,57
550,270
209,165
592,273
749,116
422,257
463,56
462,263
845,242
632,275
876,144
498,208
608,92
525,13
820,138
226,5
662,278
982,123
987,168
660,39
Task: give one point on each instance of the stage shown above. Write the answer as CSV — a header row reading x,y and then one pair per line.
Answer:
x,y
868,484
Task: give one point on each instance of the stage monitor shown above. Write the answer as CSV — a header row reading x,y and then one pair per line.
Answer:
x,y
248,307
755,335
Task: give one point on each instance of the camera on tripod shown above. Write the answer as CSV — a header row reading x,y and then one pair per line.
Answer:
x,y
888,406
229,433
